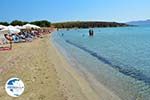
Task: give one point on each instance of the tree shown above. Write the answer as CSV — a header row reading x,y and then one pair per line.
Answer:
x,y
42,23
17,22
4,23
87,24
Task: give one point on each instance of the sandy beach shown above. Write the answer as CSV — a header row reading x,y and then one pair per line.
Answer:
x,y
46,74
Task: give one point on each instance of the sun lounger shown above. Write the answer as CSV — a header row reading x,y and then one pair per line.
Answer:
x,y
5,48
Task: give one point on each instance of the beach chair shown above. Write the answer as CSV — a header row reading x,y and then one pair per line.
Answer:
x,y
5,48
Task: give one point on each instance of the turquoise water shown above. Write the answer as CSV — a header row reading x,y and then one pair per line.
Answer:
x,y
119,58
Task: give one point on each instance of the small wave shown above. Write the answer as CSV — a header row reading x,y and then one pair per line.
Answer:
x,y
126,70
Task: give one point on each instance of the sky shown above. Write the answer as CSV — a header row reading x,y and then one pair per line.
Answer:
x,y
74,10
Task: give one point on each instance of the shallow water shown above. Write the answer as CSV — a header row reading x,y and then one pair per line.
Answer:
x,y
119,58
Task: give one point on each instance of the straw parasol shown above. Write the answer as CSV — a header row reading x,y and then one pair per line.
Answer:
x,y
3,27
10,30
19,27
30,26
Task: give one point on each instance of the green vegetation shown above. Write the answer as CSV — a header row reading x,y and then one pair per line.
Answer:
x,y
17,22
79,24
4,23
42,23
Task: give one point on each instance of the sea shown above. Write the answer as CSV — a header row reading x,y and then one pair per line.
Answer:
x,y
118,58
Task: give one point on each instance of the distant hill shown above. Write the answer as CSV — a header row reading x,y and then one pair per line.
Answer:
x,y
88,24
142,22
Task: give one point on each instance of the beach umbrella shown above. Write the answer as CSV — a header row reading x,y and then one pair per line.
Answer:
x,y
1,34
30,26
10,30
3,27
19,27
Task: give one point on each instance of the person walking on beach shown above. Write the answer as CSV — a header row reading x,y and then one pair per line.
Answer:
x,y
10,39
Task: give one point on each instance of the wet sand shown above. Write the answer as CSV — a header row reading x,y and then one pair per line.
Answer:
x,y
46,74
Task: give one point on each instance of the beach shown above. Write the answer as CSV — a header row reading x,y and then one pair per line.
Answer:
x,y
46,74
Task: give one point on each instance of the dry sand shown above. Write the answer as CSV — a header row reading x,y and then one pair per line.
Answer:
x,y
46,74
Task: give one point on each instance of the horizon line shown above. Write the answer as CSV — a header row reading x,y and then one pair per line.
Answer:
x,y
77,20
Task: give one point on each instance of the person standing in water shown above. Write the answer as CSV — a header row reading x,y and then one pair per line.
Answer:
x,y
91,32
62,34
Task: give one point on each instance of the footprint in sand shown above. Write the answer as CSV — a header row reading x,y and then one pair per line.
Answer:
x,y
39,69
42,82
52,64
44,73
41,97
34,77
46,77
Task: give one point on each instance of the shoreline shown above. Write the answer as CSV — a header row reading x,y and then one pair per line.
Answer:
x,y
92,91
45,72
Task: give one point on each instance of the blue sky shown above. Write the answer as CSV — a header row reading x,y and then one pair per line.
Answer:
x,y
76,10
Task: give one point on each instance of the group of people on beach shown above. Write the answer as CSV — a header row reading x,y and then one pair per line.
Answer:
x,y
23,36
